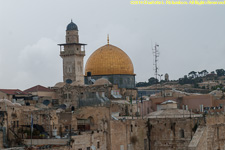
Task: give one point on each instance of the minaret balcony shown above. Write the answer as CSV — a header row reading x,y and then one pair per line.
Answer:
x,y
70,52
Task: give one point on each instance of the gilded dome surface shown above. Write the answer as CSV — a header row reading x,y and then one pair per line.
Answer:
x,y
109,60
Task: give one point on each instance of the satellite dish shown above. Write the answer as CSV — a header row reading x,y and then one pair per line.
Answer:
x,y
46,102
69,81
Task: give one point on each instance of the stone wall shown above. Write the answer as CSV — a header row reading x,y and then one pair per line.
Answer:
x,y
128,135
199,140
172,133
79,96
211,136
91,139
215,131
100,116
46,141
5,96
1,140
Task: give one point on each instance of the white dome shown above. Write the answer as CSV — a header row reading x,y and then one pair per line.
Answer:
x,y
7,102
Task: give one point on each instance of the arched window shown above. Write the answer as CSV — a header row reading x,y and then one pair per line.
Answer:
x,y
72,108
91,120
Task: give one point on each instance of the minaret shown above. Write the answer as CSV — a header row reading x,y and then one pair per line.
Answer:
x,y
72,53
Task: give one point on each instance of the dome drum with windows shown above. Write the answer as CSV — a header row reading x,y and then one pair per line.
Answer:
x,y
113,64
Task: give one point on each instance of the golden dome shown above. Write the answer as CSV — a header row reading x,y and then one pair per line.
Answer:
x,y
109,60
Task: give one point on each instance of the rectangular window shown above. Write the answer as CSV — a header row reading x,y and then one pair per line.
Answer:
x,y
145,144
121,80
129,147
121,147
88,148
98,144
65,96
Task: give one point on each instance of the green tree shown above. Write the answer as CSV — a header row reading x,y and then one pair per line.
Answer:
x,y
220,72
152,81
204,72
192,74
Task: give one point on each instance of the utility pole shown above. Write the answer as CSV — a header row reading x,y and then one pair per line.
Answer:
x,y
31,129
160,75
142,106
7,123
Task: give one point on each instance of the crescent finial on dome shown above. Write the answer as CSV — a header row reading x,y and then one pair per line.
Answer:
x,y
108,39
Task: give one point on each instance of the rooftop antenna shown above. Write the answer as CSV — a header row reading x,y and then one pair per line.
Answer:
x,y
156,55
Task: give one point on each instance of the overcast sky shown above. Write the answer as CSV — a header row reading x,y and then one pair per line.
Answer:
x,y
190,37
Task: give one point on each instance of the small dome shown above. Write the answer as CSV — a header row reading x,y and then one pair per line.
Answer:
x,y
59,84
6,102
71,26
102,81
17,104
169,102
76,83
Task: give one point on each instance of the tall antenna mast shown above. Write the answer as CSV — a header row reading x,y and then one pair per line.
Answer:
x,y
156,55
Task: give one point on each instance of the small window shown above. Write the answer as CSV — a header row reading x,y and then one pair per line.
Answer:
x,y
181,133
88,148
98,144
145,144
64,96
121,147
121,80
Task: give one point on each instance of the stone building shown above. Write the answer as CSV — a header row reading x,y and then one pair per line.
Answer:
x,y
14,95
111,72
166,77
189,101
76,96
171,128
97,111
10,122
